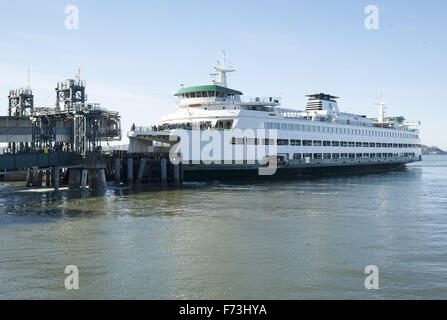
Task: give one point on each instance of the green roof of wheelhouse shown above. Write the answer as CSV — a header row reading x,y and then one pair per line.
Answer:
x,y
208,88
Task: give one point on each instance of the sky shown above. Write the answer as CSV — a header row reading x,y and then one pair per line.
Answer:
x,y
134,55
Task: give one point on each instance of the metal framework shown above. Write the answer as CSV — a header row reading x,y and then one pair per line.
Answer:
x,y
44,133
87,131
70,94
21,102
88,123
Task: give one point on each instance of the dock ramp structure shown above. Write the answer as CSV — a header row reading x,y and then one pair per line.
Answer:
x,y
65,137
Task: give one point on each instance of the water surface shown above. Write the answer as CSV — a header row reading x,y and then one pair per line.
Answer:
x,y
301,239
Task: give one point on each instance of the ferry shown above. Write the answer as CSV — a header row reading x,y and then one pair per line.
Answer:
x,y
218,133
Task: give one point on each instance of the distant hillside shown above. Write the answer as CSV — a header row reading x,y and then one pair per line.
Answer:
x,y
432,150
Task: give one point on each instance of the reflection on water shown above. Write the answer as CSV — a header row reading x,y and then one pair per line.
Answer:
x,y
267,240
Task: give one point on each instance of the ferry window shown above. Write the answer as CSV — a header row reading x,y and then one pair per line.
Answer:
x,y
283,126
237,140
317,156
335,143
268,142
335,155
395,145
317,143
252,141
365,144
358,144
296,127
198,94
192,94
343,144
326,143
290,127
307,143
276,125
307,155
297,156
366,155
344,155
352,155
295,142
372,155
326,156
358,155
385,155
302,127
351,144
282,142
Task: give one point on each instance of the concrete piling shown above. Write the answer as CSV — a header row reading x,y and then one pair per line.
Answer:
x,y
37,178
130,171
84,179
56,179
102,176
74,178
29,179
149,168
164,171
48,178
117,172
141,170
176,174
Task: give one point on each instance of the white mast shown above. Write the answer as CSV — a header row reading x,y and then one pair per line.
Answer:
x,y
222,68
382,108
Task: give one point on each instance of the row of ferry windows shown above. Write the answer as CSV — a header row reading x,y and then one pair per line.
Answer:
x,y
204,94
299,156
319,143
337,130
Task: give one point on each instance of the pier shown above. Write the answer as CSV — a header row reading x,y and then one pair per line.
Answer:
x,y
62,146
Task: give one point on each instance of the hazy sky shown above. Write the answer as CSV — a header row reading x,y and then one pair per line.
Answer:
x,y
135,54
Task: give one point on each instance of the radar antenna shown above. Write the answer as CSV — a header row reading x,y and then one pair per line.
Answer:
x,y
221,68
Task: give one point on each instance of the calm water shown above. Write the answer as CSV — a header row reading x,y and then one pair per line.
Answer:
x,y
280,240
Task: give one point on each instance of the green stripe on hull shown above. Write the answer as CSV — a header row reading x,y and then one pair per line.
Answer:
x,y
238,172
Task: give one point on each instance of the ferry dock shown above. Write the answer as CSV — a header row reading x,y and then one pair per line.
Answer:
x,y
62,146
